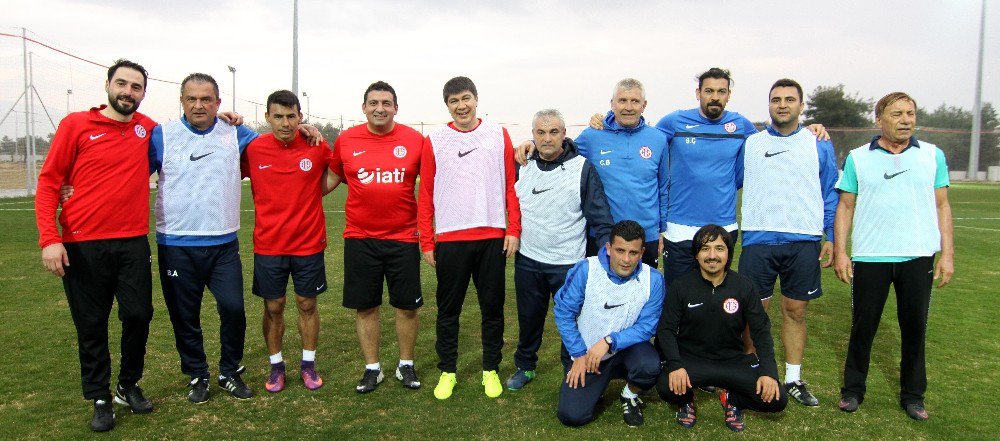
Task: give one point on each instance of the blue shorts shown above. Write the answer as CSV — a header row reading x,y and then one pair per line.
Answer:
x,y
797,264
270,275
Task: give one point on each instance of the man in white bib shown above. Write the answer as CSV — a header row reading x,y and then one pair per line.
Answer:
x,y
894,191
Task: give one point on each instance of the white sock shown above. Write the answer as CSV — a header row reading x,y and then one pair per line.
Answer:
x,y
308,355
405,362
376,366
276,358
628,394
792,373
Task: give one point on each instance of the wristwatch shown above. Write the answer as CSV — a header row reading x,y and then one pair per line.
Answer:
x,y
609,341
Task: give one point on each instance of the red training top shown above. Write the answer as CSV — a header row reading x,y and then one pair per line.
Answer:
x,y
286,180
428,169
107,163
381,175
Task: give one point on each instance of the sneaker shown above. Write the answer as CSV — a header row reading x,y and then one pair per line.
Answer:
x,y
311,378
104,416
235,385
848,403
198,392
733,415
916,411
133,398
370,380
798,390
632,411
687,416
275,380
520,379
491,384
407,375
708,389
445,386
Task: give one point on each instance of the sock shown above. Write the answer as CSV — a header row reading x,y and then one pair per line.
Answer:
x,y
307,365
628,394
406,362
308,355
792,373
376,366
279,366
276,358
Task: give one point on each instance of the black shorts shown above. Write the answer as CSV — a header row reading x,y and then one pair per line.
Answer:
x,y
270,275
797,263
368,261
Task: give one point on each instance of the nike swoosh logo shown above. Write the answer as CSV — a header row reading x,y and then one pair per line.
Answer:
x,y
607,306
93,137
695,305
461,154
363,151
195,158
769,154
418,299
604,152
261,167
320,287
812,292
536,191
691,126
755,365
888,176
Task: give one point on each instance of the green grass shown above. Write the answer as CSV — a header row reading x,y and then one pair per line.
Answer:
x,y
40,396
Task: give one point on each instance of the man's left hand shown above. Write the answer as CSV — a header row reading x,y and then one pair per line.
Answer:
x,y
231,118
311,133
826,252
767,388
510,245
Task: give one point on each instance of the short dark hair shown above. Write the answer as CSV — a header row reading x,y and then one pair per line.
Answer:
x,y
785,82
382,86
709,233
458,85
717,73
201,78
628,230
121,62
891,98
283,98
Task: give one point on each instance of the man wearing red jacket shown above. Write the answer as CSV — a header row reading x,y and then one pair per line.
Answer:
x,y
102,253
469,221
289,234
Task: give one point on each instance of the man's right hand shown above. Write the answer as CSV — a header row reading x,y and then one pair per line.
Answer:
x,y
679,381
429,258
597,122
523,151
577,375
54,258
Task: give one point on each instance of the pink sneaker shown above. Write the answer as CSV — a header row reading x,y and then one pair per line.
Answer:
x,y
275,381
311,379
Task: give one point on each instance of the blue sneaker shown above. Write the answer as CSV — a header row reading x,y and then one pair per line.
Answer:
x,y
520,379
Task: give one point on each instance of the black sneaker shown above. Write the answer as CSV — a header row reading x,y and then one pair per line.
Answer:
x,y
798,390
198,392
848,403
104,416
687,415
632,411
407,375
235,385
370,380
133,398
916,411
732,414
708,389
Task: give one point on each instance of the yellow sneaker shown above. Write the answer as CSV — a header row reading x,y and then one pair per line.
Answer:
x,y
491,383
446,384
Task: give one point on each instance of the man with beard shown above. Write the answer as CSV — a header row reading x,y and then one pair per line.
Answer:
x,y
103,254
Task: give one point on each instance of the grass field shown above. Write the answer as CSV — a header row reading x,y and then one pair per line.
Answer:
x,y
40,392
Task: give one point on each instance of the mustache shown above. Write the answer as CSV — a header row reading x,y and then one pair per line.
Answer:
x,y
713,260
715,103
126,98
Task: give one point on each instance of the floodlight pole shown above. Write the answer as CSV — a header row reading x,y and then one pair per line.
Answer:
x,y
295,47
233,70
973,173
68,93
308,106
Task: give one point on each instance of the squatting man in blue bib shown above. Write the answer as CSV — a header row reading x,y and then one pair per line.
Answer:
x,y
606,313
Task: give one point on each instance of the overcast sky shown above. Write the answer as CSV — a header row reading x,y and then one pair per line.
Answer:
x,y
523,55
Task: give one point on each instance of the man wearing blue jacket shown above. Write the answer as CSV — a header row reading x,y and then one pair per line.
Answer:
x,y
607,312
631,158
560,193
789,202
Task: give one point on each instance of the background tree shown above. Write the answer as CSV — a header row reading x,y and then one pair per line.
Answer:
x,y
948,127
840,112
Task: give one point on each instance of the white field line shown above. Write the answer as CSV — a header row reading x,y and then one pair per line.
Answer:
x,y
976,228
